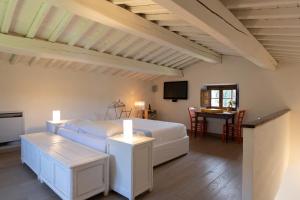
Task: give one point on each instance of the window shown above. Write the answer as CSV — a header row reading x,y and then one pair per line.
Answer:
x,y
220,96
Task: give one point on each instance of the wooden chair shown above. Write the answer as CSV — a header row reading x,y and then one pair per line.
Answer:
x,y
235,130
201,123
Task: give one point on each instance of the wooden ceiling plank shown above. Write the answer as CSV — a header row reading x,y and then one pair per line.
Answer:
x,y
148,9
130,40
272,13
8,15
172,23
272,23
40,48
109,14
61,26
148,50
188,59
255,4
135,48
188,64
275,31
212,17
105,31
281,43
169,58
276,38
133,2
38,19
150,57
161,56
160,17
174,61
80,34
112,41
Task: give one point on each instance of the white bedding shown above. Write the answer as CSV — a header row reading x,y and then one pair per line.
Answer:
x,y
93,133
97,143
163,132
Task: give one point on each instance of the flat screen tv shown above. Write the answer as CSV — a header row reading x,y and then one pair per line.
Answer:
x,y
176,90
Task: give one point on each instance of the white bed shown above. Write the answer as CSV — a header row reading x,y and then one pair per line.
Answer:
x,y
171,139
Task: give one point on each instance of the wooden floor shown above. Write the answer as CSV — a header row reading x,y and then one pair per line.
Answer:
x,y
211,171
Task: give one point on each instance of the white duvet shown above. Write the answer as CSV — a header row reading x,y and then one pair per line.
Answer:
x,y
163,132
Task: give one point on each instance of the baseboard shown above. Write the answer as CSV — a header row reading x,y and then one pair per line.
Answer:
x,y
217,135
10,146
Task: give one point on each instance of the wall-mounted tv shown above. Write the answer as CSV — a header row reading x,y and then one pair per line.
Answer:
x,y
176,90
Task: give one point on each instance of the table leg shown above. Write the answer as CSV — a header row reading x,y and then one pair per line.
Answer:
x,y
204,126
227,131
196,125
232,120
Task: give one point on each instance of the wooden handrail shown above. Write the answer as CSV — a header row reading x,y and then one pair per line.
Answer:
x,y
262,120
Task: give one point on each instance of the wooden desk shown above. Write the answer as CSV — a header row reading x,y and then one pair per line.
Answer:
x,y
224,115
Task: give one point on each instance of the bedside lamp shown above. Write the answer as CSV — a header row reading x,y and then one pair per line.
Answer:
x,y
140,107
127,128
56,115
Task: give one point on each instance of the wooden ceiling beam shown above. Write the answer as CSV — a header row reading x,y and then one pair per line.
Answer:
x,y
40,48
109,14
212,17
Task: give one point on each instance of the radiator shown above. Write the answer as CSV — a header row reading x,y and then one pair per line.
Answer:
x,y
11,126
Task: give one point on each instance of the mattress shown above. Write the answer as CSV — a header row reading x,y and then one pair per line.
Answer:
x,y
163,132
96,143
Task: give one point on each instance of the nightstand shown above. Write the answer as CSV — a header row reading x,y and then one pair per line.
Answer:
x,y
131,165
52,126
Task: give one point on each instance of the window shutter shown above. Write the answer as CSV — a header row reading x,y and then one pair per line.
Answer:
x,y
205,98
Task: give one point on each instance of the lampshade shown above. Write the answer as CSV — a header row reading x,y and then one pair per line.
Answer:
x,y
140,105
56,115
127,128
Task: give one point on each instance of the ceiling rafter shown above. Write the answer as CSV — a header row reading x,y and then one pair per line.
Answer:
x,y
212,17
109,14
40,48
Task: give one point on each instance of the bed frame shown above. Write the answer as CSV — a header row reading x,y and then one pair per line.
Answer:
x,y
168,151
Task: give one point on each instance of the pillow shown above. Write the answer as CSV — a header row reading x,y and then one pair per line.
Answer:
x,y
101,129
75,124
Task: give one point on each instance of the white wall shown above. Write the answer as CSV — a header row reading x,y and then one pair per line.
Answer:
x,y
265,158
37,91
261,92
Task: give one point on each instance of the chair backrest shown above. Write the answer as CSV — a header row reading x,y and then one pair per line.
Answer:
x,y
192,112
240,118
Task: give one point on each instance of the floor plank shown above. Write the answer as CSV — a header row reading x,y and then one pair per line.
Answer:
x,y
211,171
